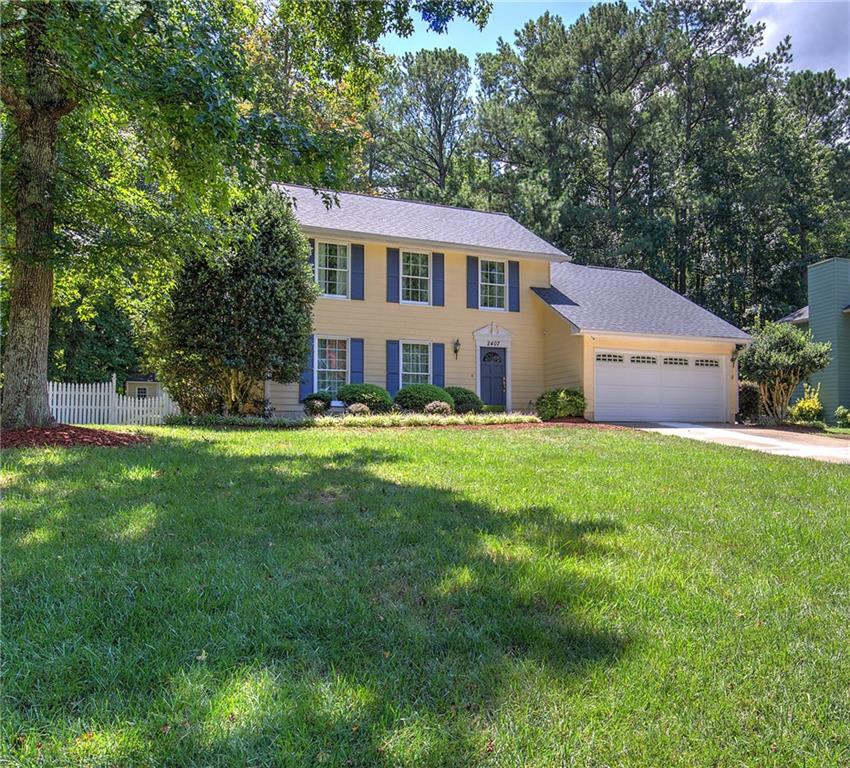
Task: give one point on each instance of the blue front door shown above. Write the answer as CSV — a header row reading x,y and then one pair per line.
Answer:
x,y
493,376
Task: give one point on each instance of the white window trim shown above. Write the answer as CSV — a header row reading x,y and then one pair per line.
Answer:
x,y
333,296
507,288
401,343
401,300
328,336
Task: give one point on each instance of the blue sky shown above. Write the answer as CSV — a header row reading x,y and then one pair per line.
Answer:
x,y
819,29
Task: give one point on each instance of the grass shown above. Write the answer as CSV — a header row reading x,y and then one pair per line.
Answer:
x,y
541,597
838,430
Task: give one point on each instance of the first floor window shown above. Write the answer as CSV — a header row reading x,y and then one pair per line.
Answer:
x,y
141,392
492,282
415,277
332,263
331,364
415,363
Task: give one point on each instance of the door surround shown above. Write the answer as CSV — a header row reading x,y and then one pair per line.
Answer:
x,y
494,337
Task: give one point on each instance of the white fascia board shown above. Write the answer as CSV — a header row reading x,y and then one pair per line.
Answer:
x,y
469,250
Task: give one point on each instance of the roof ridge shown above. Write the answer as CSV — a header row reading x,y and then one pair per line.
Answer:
x,y
611,269
397,199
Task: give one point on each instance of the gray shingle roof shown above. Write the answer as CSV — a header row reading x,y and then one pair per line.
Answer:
x,y
797,316
627,301
406,220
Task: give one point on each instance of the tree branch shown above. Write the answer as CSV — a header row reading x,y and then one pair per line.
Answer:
x,y
15,102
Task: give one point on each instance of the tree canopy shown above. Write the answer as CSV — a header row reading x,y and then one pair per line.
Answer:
x,y
125,125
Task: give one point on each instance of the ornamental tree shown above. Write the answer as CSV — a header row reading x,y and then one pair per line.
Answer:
x,y
780,357
236,318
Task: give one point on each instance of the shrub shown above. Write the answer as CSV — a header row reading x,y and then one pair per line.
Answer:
x,y
415,397
809,407
358,409
780,357
466,401
560,404
842,416
315,407
325,397
377,398
438,407
749,402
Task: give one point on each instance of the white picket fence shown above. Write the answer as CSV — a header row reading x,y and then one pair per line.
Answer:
x,y
99,403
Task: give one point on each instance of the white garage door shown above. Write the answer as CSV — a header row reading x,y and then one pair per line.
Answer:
x,y
654,386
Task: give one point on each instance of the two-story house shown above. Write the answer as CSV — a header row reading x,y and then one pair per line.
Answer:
x,y
413,292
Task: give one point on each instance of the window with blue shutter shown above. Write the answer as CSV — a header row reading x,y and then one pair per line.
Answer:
x,y
472,282
357,272
392,274
356,361
392,367
438,280
438,364
305,385
513,286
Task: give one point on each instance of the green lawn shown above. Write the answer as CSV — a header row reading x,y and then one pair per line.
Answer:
x,y
539,597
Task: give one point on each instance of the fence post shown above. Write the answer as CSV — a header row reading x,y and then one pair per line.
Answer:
x,y
113,400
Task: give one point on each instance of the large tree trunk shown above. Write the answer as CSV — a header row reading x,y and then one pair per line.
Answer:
x,y
37,118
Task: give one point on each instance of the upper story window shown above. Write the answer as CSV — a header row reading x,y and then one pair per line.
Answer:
x,y
332,269
492,282
415,277
331,364
415,363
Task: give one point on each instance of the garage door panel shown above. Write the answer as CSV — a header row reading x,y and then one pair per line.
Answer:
x,y
680,387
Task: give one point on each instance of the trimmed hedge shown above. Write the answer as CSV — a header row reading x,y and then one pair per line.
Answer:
x,y
560,404
415,397
466,401
377,398
324,397
749,402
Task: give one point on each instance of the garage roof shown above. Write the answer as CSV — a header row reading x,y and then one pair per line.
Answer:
x,y
797,316
432,225
627,301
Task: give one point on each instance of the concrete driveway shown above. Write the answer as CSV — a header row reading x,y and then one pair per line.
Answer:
x,y
804,445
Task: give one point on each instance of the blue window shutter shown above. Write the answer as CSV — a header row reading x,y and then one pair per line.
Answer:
x,y
392,274
472,282
311,254
392,367
305,386
357,272
356,353
438,280
438,364
513,286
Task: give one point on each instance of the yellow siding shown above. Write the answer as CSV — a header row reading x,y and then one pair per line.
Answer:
x,y
659,344
375,320
564,359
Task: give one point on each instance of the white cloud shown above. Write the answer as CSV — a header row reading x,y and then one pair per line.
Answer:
x,y
819,30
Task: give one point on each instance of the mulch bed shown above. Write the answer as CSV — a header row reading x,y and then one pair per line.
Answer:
x,y
67,436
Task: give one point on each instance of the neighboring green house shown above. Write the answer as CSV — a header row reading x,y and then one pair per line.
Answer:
x,y
828,318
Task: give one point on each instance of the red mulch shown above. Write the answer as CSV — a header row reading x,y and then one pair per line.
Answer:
x,y
65,436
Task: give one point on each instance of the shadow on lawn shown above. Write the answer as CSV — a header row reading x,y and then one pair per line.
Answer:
x,y
288,607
